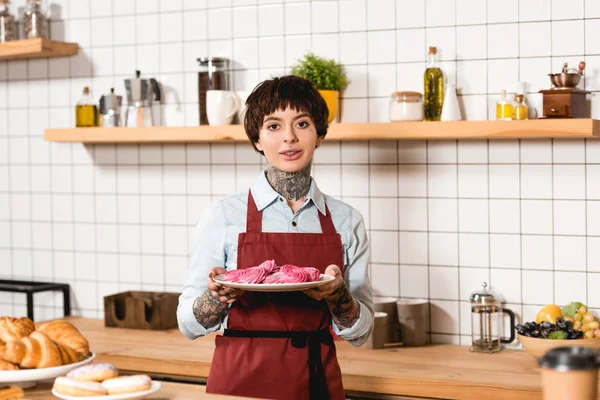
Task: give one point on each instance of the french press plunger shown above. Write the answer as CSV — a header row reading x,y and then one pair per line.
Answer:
x,y
487,321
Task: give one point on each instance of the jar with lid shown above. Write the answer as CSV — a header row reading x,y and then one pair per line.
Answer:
x,y
34,20
487,322
7,23
212,75
406,106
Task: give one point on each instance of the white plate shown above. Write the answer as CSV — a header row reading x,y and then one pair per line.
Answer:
x,y
275,287
129,396
21,377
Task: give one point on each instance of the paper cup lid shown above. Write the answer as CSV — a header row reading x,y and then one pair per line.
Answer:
x,y
569,359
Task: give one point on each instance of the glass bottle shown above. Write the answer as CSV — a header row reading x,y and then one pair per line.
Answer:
x,y
86,112
7,22
503,108
34,21
519,108
434,88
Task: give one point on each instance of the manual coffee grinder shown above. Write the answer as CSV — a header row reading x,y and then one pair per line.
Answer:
x,y
487,321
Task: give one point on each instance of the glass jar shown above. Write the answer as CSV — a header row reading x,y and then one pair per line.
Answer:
x,y
487,323
406,106
213,74
34,21
7,23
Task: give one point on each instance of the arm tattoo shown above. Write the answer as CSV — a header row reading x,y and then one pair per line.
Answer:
x,y
208,310
343,307
291,185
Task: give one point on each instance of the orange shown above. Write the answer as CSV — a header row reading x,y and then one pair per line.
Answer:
x,y
549,314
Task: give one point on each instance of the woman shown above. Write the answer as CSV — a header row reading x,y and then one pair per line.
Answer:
x,y
279,345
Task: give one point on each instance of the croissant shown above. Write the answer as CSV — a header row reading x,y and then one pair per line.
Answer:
x,y
15,328
66,335
6,366
34,351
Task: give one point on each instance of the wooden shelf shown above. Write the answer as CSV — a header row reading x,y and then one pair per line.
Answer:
x,y
540,128
36,48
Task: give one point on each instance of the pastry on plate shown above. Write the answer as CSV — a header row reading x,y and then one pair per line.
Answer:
x,y
127,384
94,372
72,387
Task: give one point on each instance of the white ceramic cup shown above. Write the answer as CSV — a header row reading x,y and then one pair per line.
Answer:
x,y
221,106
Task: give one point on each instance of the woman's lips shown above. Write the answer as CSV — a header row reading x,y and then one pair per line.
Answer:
x,y
291,156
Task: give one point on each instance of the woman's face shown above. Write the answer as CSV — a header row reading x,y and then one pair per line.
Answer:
x,y
288,138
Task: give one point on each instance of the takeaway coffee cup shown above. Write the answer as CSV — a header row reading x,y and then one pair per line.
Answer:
x,y
569,373
413,316
221,106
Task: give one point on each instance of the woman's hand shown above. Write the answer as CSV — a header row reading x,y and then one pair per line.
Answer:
x,y
223,294
344,309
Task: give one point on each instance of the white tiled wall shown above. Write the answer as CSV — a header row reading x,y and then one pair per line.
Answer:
x,y
443,216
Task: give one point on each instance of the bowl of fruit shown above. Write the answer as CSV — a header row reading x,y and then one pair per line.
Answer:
x,y
569,326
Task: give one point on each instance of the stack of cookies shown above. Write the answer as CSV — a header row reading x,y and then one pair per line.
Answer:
x,y
98,380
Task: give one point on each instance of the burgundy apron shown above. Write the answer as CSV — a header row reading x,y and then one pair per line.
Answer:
x,y
279,345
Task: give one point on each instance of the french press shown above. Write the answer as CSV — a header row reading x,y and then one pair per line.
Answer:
x,y
487,321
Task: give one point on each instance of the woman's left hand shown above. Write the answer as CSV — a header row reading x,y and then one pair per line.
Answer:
x,y
326,290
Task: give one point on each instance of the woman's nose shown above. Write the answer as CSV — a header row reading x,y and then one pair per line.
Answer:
x,y
290,136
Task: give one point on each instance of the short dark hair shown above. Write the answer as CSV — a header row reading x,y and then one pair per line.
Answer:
x,y
283,92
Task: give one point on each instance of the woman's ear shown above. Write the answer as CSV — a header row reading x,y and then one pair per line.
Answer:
x,y
319,141
258,145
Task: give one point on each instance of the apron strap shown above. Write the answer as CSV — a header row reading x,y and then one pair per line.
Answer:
x,y
254,218
316,375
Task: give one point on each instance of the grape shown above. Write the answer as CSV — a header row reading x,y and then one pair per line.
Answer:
x,y
588,335
594,324
578,317
582,310
596,333
567,318
588,317
577,325
585,328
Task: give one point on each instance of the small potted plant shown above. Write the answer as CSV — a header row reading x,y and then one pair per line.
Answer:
x,y
327,76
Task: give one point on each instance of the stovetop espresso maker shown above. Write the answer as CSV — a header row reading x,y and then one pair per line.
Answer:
x,y
140,95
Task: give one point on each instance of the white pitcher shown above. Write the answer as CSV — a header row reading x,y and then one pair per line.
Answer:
x,y
451,109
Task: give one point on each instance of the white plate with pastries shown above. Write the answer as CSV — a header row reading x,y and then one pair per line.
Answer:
x,y
155,385
28,377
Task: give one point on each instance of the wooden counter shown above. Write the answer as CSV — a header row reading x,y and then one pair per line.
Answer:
x,y
437,371
168,390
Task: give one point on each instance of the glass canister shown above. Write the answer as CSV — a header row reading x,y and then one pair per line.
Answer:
x,y
487,321
7,23
34,20
213,75
406,106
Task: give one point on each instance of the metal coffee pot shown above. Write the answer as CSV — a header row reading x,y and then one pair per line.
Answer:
x,y
140,95
110,110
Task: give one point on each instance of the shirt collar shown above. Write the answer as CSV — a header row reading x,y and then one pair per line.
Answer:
x,y
264,194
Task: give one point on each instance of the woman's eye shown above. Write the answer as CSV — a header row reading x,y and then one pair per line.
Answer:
x,y
272,127
303,124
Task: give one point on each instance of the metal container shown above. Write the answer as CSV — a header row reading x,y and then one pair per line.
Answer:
x,y
110,109
140,95
487,321
568,78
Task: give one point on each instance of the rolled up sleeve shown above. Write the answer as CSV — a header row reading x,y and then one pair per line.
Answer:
x,y
208,251
357,277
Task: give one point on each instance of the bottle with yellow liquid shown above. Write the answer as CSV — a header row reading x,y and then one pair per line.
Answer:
x,y
433,100
86,112
503,108
519,108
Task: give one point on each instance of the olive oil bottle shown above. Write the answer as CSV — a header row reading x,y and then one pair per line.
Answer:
x,y
86,112
433,100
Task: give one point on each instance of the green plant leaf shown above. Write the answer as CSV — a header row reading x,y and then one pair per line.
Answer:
x,y
323,73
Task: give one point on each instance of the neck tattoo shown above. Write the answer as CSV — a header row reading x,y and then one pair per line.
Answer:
x,y
291,185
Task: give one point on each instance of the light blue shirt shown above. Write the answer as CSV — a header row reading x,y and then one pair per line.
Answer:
x,y
216,241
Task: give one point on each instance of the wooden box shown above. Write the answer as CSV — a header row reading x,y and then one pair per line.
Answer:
x,y
141,310
565,103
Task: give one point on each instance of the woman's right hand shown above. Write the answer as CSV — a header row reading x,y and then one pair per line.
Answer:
x,y
220,292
